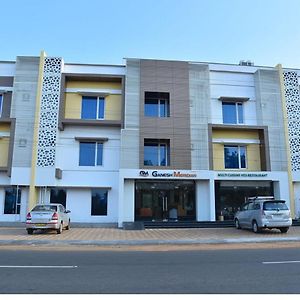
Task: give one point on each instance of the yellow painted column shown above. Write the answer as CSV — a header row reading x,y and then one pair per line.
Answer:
x,y
33,192
287,141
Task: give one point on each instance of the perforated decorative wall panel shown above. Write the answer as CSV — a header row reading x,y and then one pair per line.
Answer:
x,y
292,95
49,112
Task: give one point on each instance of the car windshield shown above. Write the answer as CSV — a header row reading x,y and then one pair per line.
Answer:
x,y
45,208
275,205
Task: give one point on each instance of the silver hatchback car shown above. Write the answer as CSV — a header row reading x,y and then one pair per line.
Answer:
x,y
48,216
263,212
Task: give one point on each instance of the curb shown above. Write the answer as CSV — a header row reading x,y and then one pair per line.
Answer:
x,y
144,242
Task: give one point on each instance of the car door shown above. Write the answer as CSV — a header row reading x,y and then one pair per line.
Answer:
x,y
63,215
242,214
249,215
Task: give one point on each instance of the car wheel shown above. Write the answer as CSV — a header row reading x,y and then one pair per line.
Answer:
x,y
284,229
255,227
68,226
237,224
29,231
60,229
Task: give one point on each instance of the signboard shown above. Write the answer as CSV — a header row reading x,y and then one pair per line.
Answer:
x,y
164,174
243,175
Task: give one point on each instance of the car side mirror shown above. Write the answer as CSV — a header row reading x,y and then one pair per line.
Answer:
x,y
68,211
239,209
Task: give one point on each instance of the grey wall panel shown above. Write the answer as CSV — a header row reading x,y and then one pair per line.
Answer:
x,y
200,115
130,134
132,94
129,155
23,108
269,113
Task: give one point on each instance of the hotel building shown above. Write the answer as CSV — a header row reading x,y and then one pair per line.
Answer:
x,y
149,141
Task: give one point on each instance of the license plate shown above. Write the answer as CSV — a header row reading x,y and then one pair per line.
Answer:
x,y
40,224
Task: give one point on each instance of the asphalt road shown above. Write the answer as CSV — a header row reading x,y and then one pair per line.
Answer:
x,y
269,270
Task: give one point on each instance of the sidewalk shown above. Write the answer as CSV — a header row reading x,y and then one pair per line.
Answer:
x,y
114,236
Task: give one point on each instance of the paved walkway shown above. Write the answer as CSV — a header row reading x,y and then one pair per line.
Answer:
x,y
114,236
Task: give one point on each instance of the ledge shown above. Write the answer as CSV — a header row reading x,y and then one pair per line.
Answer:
x,y
233,99
80,122
237,126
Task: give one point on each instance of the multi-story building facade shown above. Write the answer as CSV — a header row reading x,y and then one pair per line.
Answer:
x,y
150,140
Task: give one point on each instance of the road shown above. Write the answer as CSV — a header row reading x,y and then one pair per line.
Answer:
x,y
271,270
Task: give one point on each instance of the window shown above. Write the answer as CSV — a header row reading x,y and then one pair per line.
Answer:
x,y
245,206
156,153
235,157
233,113
58,196
92,108
12,202
99,202
251,206
275,205
1,101
90,154
157,104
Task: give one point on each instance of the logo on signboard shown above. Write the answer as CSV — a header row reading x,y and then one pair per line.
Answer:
x,y
144,173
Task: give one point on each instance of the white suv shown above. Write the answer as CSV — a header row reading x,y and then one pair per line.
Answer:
x,y
263,212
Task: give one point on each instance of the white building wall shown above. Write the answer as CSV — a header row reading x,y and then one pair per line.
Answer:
x,y
78,181
203,200
79,202
229,84
67,157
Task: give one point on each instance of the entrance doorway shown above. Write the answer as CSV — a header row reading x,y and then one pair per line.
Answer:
x,y
165,200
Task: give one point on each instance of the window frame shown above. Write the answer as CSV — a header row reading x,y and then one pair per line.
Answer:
x,y
159,100
239,157
97,99
236,104
159,145
96,143
1,103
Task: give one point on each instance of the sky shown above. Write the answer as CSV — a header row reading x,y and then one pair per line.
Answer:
x,y
266,32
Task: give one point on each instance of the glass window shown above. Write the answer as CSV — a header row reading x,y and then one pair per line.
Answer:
x,y
232,113
156,104
12,202
275,205
235,157
58,196
251,206
99,202
1,101
92,108
245,206
45,208
90,154
87,154
151,108
156,154
100,108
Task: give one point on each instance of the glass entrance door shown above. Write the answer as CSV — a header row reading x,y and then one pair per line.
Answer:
x,y
165,200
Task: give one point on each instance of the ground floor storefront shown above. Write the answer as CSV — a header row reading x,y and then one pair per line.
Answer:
x,y
154,195
185,195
